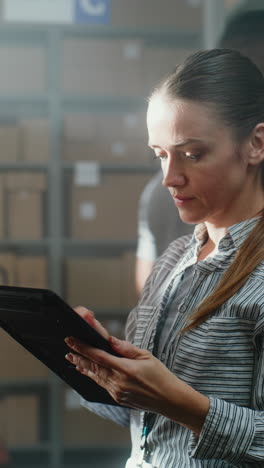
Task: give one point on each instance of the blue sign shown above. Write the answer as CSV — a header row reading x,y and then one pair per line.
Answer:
x,y
92,11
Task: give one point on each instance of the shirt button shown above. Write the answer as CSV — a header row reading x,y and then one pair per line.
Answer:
x,y
226,243
183,308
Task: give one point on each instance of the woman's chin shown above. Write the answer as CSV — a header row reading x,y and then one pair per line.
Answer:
x,y
190,218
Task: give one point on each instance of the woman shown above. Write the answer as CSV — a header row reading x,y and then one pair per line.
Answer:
x,y
194,375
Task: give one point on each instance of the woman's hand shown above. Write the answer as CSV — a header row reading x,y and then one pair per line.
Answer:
x,y
140,381
89,317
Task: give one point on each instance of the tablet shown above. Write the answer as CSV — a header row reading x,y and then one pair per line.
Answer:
x,y
39,320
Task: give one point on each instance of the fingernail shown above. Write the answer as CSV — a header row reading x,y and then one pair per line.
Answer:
x,y
69,356
69,341
113,340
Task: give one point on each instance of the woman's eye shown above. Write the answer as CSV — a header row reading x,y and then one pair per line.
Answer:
x,y
193,156
162,157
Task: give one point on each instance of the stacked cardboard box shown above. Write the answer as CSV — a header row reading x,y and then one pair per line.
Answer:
x,y
17,64
167,57
25,140
101,283
102,67
9,142
29,271
129,296
2,208
92,429
16,362
107,210
19,423
172,14
35,140
23,199
117,67
106,137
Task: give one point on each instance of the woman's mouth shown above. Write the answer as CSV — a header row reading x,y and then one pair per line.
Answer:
x,y
180,200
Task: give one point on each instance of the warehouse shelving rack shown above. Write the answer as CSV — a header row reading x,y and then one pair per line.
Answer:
x,y
51,453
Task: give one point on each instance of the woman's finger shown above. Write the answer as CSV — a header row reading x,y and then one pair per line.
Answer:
x,y
106,378
89,317
86,314
128,352
127,349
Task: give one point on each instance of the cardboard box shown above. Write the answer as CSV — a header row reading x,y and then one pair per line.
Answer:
x,y
25,216
181,14
101,282
129,296
118,152
109,210
112,138
9,143
35,140
16,362
167,58
103,52
3,420
94,282
16,72
105,126
102,67
2,207
32,272
22,422
25,205
96,81
7,269
25,181
23,270
82,427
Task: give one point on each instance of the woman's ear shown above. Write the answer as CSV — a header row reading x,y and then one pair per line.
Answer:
x,y
256,152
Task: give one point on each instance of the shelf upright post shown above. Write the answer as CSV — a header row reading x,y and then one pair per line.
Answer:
x,y
55,219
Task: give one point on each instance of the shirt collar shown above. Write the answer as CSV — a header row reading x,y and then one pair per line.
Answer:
x,y
235,235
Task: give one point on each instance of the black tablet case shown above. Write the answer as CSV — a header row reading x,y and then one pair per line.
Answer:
x,y
39,320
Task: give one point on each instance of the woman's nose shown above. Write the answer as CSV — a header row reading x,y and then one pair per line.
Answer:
x,y
172,176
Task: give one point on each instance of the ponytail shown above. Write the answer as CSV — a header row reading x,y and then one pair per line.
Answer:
x,y
249,256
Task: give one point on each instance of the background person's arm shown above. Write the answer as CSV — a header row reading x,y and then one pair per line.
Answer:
x,y
142,271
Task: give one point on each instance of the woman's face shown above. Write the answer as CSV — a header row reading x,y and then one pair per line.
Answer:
x,y
204,168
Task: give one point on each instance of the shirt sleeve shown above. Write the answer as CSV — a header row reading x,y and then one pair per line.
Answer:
x,y
232,433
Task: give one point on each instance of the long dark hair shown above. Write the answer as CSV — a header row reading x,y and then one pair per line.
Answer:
x,y
233,85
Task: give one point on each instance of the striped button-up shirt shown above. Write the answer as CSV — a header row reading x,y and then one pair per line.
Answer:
x,y
222,358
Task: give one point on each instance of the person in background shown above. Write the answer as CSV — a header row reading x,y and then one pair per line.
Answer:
x,y
190,378
244,32
158,225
